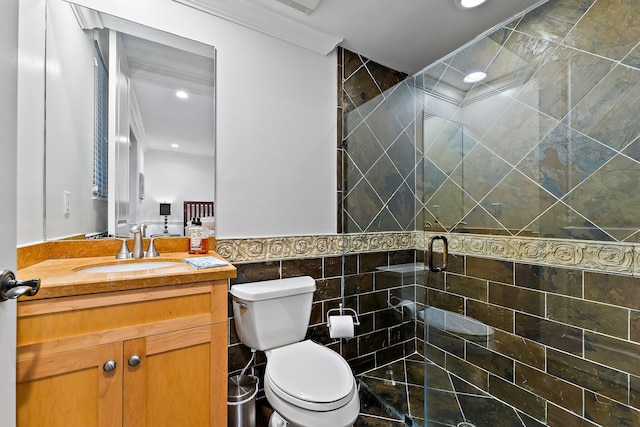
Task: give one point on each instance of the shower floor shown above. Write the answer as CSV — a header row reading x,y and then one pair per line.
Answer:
x,y
393,395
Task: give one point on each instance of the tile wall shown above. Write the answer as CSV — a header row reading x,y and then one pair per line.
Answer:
x,y
547,145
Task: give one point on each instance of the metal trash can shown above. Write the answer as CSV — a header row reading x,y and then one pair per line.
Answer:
x,y
241,401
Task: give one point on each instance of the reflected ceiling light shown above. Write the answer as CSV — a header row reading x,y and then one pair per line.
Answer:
x,y
182,94
476,77
468,4
175,145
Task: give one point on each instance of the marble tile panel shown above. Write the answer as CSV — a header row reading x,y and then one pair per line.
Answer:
x,y
363,148
384,125
596,317
478,55
362,204
302,267
607,412
480,171
434,177
549,387
449,204
519,201
610,29
492,315
445,301
552,334
513,395
490,361
490,269
401,102
553,20
563,159
521,299
442,406
592,376
564,80
256,272
633,58
384,178
563,281
479,221
520,349
403,154
612,289
604,114
385,77
517,131
612,352
562,222
487,411
358,284
518,60
373,301
557,416
445,341
471,373
468,287
445,145
361,87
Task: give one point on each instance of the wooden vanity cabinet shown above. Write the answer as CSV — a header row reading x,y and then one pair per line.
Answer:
x,y
167,347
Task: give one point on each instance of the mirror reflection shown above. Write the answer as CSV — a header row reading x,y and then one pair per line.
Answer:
x,y
129,125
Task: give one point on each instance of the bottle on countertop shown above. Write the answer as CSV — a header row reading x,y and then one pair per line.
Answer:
x,y
198,240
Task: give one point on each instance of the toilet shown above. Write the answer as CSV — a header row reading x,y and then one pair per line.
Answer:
x,y
307,384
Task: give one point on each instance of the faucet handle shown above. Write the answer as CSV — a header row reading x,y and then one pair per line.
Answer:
x,y
124,252
151,252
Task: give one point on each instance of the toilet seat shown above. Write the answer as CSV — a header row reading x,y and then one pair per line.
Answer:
x,y
310,376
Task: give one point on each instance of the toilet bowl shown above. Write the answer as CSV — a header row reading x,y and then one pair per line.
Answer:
x,y
307,384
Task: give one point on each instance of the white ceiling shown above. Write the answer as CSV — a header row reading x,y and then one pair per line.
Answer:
x,y
405,35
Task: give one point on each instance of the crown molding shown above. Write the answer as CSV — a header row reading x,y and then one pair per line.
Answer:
x,y
267,21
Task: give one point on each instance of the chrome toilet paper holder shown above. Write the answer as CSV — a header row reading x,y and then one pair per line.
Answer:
x,y
342,311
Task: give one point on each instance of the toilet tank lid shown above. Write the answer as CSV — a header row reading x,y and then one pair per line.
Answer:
x,y
269,289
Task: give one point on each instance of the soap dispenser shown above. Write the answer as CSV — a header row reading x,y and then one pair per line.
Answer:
x,y
198,242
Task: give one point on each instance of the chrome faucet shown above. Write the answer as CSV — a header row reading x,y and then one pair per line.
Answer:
x,y
138,249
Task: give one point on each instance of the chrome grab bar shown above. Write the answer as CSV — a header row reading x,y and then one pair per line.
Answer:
x,y
445,252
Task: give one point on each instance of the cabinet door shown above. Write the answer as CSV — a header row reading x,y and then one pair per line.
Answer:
x,y
71,388
179,381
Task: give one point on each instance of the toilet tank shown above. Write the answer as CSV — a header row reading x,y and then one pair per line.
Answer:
x,y
272,313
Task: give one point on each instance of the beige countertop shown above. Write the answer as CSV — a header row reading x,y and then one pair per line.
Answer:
x,y
65,276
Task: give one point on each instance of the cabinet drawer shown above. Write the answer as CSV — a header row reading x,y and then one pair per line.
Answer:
x,y
65,323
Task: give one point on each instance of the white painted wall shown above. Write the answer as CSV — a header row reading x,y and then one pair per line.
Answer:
x,y
164,186
30,116
275,125
69,125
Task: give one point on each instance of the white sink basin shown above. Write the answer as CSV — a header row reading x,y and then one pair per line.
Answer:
x,y
133,266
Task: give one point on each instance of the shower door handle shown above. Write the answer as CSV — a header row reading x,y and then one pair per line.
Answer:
x,y
445,252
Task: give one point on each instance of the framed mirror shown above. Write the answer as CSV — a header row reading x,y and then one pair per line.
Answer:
x,y
130,125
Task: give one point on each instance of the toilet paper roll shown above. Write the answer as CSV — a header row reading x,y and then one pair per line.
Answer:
x,y
341,327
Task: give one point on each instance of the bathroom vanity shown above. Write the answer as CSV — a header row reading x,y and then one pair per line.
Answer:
x,y
145,347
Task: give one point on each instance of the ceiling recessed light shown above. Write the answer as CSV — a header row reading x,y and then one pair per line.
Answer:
x,y
182,94
468,4
476,77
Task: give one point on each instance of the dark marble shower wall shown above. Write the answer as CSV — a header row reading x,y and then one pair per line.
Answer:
x,y
383,334
548,144
565,346
379,113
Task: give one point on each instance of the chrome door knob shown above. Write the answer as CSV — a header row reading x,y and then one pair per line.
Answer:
x,y
109,366
134,360
10,288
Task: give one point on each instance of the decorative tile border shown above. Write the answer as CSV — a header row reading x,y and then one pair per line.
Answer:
x,y
614,258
